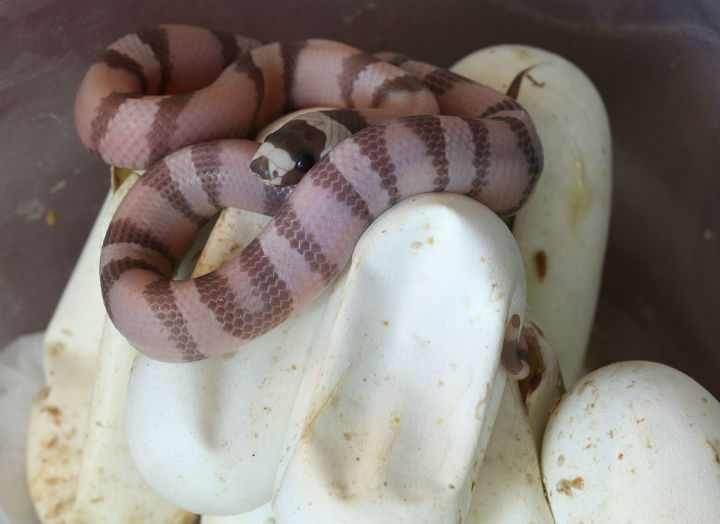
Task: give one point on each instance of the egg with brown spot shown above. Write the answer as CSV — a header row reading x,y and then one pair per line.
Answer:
x,y
631,442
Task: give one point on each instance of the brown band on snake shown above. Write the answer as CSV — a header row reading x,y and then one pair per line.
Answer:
x,y
440,81
505,105
157,39
373,145
245,64
113,270
124,230
329,177
431,133
116,60
217,295
206,161
481,157
351,119
228,45
159,296
290,50
525,144
159,178
267,284
274,198
108,108
352,66
165,123
406,83
288,225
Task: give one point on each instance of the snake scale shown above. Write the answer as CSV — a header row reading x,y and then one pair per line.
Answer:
x,y
177,100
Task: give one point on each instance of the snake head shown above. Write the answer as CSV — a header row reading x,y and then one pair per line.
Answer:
x,y
289,153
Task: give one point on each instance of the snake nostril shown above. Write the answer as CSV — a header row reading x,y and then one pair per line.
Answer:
x,y
261,167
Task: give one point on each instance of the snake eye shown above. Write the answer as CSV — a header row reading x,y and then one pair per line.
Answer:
x,y
305,163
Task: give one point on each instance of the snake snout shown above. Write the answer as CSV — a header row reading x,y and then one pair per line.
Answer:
x,y
261,167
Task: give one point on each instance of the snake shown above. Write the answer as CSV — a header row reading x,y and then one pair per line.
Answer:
x,y
182,101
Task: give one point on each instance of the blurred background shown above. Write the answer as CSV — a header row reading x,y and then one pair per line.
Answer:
x,y
656,64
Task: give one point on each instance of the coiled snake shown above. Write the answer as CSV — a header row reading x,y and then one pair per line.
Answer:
x,y
175,99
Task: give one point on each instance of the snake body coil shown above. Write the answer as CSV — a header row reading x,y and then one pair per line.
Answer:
x,y
410,128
